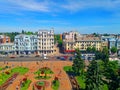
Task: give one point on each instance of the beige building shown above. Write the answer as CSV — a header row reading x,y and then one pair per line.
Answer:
x,y
104,44
70,35
82,43
45,42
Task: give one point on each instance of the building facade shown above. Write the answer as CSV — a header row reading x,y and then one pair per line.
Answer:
x,y
4,39
45,42
7,48
112,43
25,44
118,44
82,43
70,35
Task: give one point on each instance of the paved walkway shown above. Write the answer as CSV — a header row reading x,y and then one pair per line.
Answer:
x,y
55,66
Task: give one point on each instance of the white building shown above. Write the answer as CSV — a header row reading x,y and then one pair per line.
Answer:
x,y
7,48
45,42
25,44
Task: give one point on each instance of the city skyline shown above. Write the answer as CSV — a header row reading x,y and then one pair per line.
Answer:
x,y
85,16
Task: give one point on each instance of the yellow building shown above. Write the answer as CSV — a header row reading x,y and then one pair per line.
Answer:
x,y
104,44
82,43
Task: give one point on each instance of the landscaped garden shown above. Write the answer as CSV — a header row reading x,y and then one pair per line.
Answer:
x,y
41,85
55,84
43,73
20,70
25,84
8,73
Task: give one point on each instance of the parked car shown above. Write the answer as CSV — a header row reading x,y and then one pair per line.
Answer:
x,y
22,56
62,58
37,56
12,56
71,58
58,57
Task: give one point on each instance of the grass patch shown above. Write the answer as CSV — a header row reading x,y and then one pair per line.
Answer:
x,y
20,70
105,87
68,68
81,82
4,77
46,71
25,85
79,79
1,68
41,83
55,84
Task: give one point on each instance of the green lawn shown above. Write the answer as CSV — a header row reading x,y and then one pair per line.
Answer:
x,y
4,77
67,68
26,85
79,79
20,70
1,68
81,82
55,85
47,71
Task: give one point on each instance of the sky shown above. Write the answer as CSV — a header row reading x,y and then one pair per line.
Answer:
x,y
84,16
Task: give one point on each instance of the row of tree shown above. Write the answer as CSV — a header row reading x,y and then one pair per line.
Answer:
x,y
100,71
93,50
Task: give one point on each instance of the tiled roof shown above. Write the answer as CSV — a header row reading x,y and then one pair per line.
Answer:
x,y
2,36
88,39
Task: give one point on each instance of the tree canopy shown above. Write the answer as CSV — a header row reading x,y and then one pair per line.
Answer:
x,y
113,50
78,63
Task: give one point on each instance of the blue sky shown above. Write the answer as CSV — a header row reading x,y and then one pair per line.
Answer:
x,y
85,16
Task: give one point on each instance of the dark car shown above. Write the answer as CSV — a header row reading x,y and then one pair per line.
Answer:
x,y
71,58
21,56
62,58
58,57
37,56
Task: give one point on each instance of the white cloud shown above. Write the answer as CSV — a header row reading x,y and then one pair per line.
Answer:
x,y
54,6
30,5
76,5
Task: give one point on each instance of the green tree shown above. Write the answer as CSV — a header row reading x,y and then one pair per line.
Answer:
x,y
113,50
88,49
94,77
98,55
93,49
112,75
78,64
105,55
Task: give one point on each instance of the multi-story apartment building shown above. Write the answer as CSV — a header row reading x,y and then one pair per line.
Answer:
x,y
118,44
4,39
112,43
25,44
70,35
45,42
82,43
7,48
